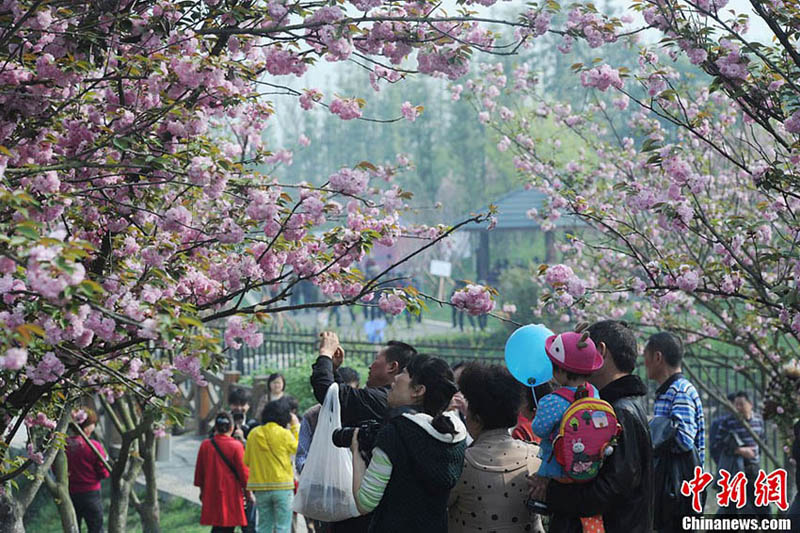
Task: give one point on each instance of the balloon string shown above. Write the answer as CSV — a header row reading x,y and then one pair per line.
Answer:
x,y
535,401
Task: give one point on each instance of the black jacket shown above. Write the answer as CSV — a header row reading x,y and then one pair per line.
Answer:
x,y
623,490
358,405
426,464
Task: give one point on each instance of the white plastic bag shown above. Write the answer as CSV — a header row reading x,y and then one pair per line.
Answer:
x,y
325,489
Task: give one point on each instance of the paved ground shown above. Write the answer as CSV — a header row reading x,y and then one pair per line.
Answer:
x,y
176,475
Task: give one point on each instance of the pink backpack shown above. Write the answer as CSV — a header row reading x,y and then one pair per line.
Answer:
x,y
587,434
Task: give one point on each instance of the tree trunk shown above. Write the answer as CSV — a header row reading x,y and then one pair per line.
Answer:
x,y
59,489
121,487
129,462
11,513
13,505
148,510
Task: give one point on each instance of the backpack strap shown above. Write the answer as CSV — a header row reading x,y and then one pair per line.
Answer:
x,y
569,395
565,393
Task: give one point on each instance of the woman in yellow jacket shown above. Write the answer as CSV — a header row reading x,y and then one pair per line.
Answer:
x,y
268,454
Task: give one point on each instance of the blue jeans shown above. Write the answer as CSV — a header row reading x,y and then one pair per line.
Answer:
x,y
274,510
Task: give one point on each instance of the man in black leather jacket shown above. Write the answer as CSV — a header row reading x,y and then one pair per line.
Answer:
x,y
623,490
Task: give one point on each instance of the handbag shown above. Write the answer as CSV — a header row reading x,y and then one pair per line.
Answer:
x,y
673,464
250,510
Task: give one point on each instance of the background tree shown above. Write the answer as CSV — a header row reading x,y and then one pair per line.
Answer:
x,y
687,181
133,211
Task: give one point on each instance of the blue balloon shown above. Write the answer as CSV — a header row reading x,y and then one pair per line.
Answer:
x,y
526,358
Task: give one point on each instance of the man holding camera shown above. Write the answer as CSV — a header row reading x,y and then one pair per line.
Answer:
x,y
358,405
239,404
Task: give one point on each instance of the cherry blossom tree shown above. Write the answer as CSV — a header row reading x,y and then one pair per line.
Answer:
x,y
687,181
133,218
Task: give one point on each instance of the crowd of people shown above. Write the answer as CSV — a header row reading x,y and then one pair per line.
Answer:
x,y
469,448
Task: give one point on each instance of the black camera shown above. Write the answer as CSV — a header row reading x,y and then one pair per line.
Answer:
x,y
367,435
238,419
536,506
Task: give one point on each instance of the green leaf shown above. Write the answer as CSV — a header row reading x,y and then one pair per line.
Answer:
x,y
28,231
120,143
189,321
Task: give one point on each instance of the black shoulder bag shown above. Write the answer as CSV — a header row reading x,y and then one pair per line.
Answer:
x,y
672,465
250,510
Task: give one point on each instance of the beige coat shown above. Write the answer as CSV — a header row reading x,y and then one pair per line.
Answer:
x,y
493,489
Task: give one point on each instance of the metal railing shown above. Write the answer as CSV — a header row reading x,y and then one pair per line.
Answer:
x,y
282,349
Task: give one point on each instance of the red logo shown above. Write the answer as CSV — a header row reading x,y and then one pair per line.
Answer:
x,y
732,489
696,486
771,488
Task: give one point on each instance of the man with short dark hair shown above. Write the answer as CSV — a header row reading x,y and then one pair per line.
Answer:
x,y
358,405
369,403
676,396
679,450
738,451
623,490
239,405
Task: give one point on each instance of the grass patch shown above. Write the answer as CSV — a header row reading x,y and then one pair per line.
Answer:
x,y
177,514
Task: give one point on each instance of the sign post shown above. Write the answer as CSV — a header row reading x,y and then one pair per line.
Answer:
x,y
441,269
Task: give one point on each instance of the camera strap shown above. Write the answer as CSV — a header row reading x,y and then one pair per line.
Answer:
x,y
227,461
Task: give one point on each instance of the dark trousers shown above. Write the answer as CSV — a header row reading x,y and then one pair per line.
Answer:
x,y
359,524
220,529
89,507
794,514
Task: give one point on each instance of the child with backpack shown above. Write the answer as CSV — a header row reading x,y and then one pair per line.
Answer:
x,y
577,428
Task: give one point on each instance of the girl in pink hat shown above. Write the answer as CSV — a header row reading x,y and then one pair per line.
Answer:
x,y
574,358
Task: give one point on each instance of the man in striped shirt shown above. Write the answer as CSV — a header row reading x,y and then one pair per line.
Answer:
x,y
737,445
676,398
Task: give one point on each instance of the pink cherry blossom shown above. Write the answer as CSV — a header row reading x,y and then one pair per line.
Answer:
x,y
79,415
50,368
559,274
41,420
36,457
237,329
792,124
14,359
602,78
177,219
309,98
349,181
410,111
160,381
347,109
391,303
688,280
192,367
474,299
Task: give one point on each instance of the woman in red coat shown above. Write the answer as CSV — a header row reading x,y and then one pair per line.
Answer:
x,y
220,490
